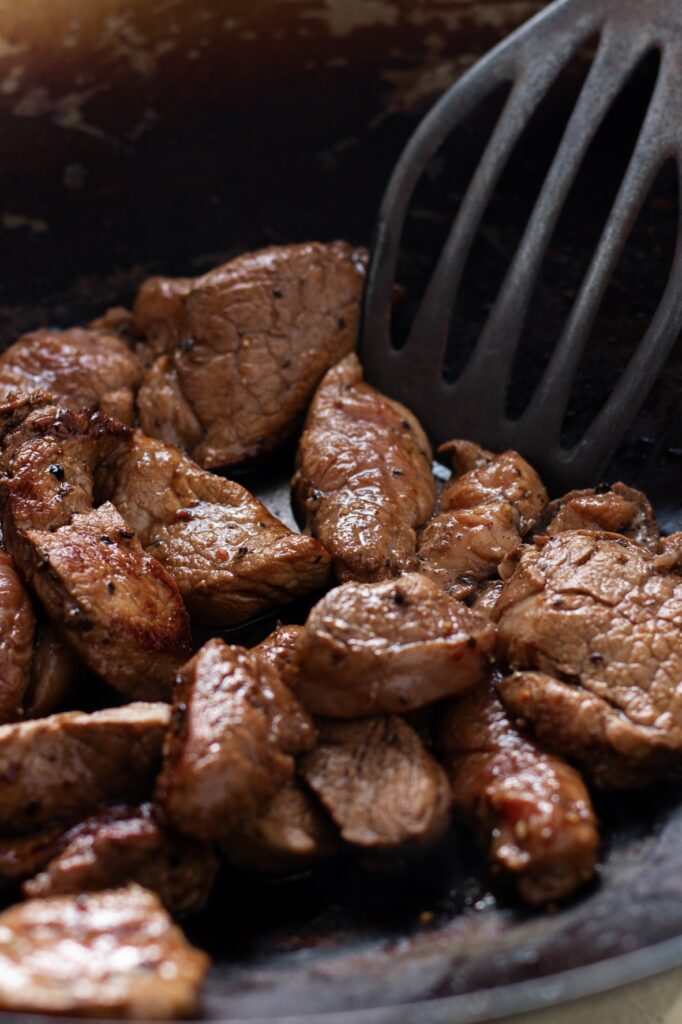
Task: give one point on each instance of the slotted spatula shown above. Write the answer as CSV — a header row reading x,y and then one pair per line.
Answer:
x,y
473,406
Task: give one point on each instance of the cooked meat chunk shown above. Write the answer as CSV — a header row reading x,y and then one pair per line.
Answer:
x,y
22,857
158,311
592,610
279,647
484,512
235,729
109,954
117,607
246,345
530,810
80,368
363,483
670,556
230,558
125,844
49,459
378,781
116,320
292,834
616,509
63,767
370,648
56,671
17,625
487,596
164,410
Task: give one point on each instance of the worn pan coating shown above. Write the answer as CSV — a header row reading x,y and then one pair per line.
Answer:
x,y
167,136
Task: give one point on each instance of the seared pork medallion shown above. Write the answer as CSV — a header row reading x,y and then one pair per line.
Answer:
x,y
56,672
531,810
124,844
492,503
616,509
279,648
242,348
116,606
363,482
380,784
65,766
369,648
234,733
109,954
230,558
292,833
79,368
592,614
17,626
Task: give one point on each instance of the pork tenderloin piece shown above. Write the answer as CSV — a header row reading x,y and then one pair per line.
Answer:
x,y
363,482
125,844
484,512
80,368
109,954
615,509
380,784
599,623
17,627
529,809
117,607
235,730
242,348
230,558
56,672
292,834
371,648
65,766
279,648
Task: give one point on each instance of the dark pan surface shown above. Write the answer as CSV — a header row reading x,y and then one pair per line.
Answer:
x,y
184,196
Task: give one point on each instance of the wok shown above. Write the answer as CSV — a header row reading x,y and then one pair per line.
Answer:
x,y
167,136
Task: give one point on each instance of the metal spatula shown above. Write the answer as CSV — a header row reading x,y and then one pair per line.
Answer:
x,y
474,404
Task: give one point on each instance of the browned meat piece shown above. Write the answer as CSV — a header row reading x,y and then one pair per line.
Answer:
x,y
670,557
279,647
530,810
592,610
230,558
246,344
370,648
164,410
379,783
17,625
63,767
484,512
56,671
292,834
363,483
119,405
50,457
79,368
616,509
116,320
24,856
158,311
109,954
116,606
487,596
125,844
235,729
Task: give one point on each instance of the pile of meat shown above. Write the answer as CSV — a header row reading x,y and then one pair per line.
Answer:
x,y
480,653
